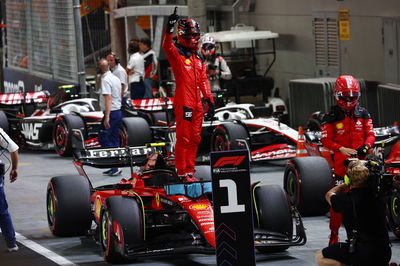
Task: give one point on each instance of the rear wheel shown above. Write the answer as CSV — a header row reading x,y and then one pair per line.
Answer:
x,y
273,213
121,228
62,134
306,181
135,132
68,205
4,122
226,136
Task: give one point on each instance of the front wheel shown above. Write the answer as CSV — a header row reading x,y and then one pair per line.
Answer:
x,y
229,136
121,228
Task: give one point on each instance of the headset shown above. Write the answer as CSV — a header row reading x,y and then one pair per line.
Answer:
x,y
117,60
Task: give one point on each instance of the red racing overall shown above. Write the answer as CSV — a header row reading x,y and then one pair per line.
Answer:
x,y
351,130
191,79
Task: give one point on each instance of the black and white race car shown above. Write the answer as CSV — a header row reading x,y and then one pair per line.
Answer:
x,y
36,120
235,126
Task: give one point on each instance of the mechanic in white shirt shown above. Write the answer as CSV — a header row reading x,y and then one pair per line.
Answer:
x,y
110,104
6,224
135,70
120,72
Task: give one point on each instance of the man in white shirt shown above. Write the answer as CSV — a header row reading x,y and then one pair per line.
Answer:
x,y
110,104
135,70
6,224
120,72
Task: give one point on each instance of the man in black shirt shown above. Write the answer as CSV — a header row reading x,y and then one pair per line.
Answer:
x,y
364,212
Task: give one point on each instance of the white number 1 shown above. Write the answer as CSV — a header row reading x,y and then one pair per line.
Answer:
x,y
232,197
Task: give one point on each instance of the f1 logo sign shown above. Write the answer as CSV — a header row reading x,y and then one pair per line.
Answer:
x,y
234,160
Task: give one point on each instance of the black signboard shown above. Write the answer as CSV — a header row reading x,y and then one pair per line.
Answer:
x,y
233,215
22,81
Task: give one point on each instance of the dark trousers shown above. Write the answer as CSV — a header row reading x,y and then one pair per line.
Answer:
x,y
6,224
109,137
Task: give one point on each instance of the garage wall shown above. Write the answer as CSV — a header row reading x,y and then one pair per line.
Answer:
x,y
362,56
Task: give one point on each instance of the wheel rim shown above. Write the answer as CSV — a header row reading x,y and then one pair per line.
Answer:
x,y
292,187
221,143
104,230
395,210
50,208
61,138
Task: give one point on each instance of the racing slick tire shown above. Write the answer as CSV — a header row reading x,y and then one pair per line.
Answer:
x,y
203,172
393,212
135,132
121,228
4,122
62,133
273,213
306,181
224,137
68,205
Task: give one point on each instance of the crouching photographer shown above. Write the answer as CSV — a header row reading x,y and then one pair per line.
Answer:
x,y
363,213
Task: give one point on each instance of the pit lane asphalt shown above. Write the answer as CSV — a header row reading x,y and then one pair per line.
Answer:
x,y
27,204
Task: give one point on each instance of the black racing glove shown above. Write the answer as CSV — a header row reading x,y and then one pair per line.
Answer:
x,y
172,19
363,150
210,109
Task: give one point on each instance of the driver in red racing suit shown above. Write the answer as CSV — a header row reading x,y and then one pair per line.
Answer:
x,y
191,79
347,130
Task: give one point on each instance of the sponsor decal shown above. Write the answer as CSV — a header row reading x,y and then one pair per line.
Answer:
x,y
187,113
31,130
233,160
273,154
187,61
199,207
339,125
118,152
167,201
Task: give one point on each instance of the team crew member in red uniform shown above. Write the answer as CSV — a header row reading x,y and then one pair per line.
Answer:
x,y
347,130
191,81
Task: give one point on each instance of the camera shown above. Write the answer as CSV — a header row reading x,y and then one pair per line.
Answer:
x,y
381,183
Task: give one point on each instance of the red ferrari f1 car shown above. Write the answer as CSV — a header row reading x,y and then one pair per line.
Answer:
x,y
154,213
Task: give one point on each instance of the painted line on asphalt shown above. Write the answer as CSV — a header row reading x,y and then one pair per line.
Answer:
x,y
43,251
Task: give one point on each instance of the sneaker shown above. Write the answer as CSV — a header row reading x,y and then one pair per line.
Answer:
x,y
13,249
115,172
334,237
107,172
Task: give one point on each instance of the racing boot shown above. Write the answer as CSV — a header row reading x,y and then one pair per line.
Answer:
x,y
334,237
189,177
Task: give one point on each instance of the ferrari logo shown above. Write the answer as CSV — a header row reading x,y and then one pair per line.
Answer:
x,y
339,126
97,207
187,61
157,200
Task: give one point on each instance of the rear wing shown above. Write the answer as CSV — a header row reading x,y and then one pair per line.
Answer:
x,y
111,157
19,98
